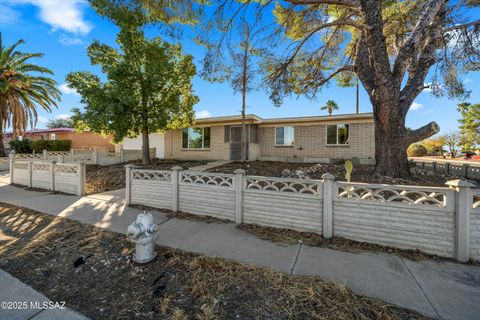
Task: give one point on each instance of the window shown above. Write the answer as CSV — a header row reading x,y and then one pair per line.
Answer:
x,y
52,136
196,138
284,136
337,134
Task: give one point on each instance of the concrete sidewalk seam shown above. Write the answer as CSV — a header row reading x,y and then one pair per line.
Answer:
x,y
421,288
300,246
36,314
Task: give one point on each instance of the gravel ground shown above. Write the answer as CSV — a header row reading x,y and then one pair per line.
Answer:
x,y
47,252
107,178
360,173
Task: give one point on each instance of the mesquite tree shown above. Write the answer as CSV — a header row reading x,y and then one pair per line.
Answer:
x,y
392,46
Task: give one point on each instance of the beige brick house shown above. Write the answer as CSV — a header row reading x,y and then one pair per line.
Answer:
x,y
296,139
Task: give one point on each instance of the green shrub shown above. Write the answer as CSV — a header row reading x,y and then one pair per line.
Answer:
x,y
21,146
39,145
60,145
51,145
416,150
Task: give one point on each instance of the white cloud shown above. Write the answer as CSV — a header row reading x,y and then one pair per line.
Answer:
x,y
42,120
415,105
68,41
65,89
8,15
62,116
61,14
203,114
468,80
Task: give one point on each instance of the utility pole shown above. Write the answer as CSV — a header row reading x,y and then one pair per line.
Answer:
x,y
357,108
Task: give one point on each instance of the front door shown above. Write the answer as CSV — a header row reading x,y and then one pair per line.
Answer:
x,y
235,143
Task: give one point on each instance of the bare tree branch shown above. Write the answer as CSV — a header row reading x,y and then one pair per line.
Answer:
x,y
423,133
462,26
411,45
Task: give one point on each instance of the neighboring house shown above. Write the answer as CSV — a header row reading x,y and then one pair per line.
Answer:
x,y
296,139
157,141
80,140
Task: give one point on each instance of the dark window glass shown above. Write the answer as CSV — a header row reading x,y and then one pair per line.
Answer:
x,y
185,138
342,130
206,137
331,134
279,136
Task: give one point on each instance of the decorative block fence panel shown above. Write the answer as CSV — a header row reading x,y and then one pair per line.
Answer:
x,y
475,226
22,173
283,203
402,218
67,178
42,175
441,221
465,170
151,188
209,194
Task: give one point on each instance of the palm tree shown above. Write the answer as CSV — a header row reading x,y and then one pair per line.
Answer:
x,y
21,92
330,106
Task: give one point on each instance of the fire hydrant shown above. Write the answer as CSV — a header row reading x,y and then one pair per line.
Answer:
x,y
143,233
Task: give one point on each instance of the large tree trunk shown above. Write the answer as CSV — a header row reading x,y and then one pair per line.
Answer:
x,y
2,147
145,147
390,152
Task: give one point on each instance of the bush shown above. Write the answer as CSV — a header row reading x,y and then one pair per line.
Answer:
x,y
60,145
51,145
416,150
39,145
21,146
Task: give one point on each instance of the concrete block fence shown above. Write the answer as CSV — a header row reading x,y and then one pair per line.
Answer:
x,y
49,175
465,170
442,221
96,156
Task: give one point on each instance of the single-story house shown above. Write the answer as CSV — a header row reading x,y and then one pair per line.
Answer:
x,y
80,140
295,139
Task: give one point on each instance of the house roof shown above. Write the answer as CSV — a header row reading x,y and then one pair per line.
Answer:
x,y
252,118
43,131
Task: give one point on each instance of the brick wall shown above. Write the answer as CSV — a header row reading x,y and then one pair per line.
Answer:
x,y
218,148
310,142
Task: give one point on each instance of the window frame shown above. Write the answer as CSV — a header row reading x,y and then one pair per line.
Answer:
x,y
53,136
203,138
284,145
336,131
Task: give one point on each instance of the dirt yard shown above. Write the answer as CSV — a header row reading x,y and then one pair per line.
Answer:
x,y
360,173
107,178
41,250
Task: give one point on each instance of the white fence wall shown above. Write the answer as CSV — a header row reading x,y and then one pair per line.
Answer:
x,y
441,221
209,194
465,170
405,217
63,177
475,225
285,203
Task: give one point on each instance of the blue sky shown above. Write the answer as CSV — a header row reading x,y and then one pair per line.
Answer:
x,y
62,29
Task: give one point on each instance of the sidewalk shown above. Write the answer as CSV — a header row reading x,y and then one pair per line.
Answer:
x,y
13,290
439,289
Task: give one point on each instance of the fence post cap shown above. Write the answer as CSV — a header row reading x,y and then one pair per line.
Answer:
x,y
12,152
130,165
460,183
328,176
239,171
177,168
